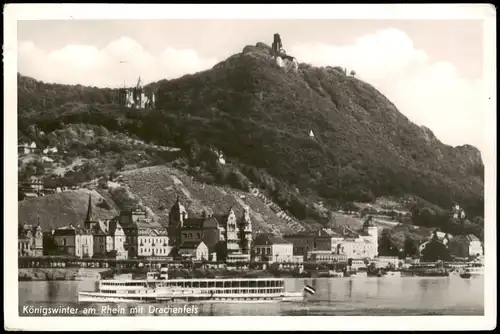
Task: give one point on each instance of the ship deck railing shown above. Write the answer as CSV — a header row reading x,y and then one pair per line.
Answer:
x,y
202,283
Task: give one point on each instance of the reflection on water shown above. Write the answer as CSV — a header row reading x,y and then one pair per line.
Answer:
x,y
334,296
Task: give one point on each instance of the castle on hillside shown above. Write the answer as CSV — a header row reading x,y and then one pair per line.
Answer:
x,y
137,97
226,236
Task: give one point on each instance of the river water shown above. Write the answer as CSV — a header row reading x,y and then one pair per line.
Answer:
x,y
372,296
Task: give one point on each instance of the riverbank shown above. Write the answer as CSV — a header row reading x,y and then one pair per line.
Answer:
x,y
71,274
55,274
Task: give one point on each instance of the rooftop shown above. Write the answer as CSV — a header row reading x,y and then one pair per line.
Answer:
x,y
149,231
328,233
269,239
25,229
472,237
190,245
70,230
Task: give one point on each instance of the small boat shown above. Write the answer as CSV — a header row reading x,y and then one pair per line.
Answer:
x,y
465,274
161,289
425,271
377,272
332,273
393,273
475,269
350,273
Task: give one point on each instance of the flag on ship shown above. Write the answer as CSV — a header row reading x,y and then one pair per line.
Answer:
x,y
309,289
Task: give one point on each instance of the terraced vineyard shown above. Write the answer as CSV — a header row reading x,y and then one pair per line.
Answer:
x,y
159,186
62,209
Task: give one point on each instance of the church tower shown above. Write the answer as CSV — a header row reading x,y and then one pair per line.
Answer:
x,y
89,222
176,217
372,231
245,229
232,238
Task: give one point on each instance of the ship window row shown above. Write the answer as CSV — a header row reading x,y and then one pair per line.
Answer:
x,y
243,291
203,284
226,291
208,284
227,284
123,284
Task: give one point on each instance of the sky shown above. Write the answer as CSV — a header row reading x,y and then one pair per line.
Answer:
x,y
432,70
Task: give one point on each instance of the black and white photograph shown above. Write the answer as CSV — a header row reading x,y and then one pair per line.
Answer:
x,y
260,163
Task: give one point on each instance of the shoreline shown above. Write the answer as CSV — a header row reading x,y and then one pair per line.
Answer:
x,y
74,274
53,274
78,274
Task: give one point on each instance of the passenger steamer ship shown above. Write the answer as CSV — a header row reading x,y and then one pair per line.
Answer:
x,y
158,288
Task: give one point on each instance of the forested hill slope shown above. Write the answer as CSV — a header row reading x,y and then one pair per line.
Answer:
x,y
260,116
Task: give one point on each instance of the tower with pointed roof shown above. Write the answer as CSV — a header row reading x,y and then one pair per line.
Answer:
x,y
176,218
245,229
232,233
38,239
178,214
89,222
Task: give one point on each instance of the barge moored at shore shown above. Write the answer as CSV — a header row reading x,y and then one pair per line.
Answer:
x,y
418,271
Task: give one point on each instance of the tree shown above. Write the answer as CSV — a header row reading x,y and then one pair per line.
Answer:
x,y
332,222
435,250
103,204
386,246
113,175
372,268
120,164
221,251
410,247
103,182
29,171
237,180
194,150
350,206
478,221
390,266
20,194
353,73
